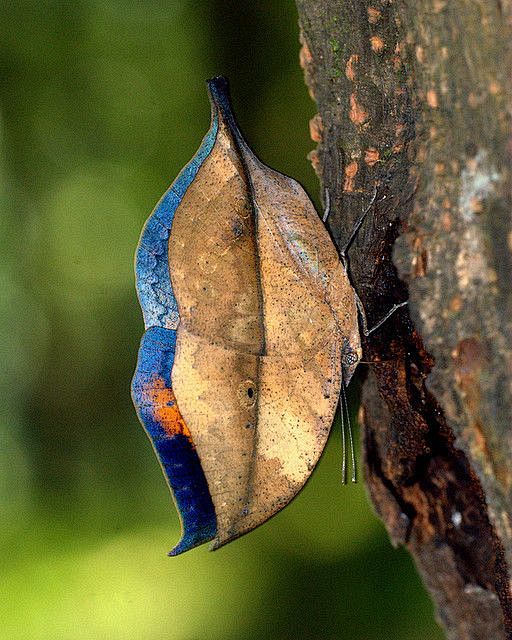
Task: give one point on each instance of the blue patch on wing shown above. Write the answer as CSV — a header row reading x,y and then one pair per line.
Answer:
x,y
176,452
152,381
151,262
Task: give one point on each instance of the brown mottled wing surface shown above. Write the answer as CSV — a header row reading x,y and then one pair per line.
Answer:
x,y
265,307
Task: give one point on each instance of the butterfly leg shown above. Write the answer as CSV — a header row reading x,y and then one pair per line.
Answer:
x,y
344,259
344,250
356,227
367,331
343,404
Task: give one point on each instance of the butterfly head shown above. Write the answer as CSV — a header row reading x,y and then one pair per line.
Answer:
x,y
350,358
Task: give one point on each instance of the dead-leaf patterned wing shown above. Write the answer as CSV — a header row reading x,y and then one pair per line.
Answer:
x,y
265,308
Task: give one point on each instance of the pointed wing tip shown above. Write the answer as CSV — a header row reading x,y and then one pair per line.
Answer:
x,y
218,84
218,90
220,97
190,541
179,549
176,551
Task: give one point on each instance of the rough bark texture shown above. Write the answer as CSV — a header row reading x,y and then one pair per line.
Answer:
x,y
414,100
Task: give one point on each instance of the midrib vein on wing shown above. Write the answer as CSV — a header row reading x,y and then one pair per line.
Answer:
x,y
242,149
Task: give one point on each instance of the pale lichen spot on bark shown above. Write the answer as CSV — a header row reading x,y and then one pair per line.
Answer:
x,y
357,114
374,15
455,304
446,221
432,99
371,156
305,56
316,128
306,62
420,258
315,161
377,44
350,175
350,70
420,54
471,266
494,88
478,180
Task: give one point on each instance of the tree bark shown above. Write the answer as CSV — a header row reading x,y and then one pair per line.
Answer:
x,y
414,105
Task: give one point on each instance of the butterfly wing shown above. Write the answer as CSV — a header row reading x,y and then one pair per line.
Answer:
x,y
265,306
152,391
159,413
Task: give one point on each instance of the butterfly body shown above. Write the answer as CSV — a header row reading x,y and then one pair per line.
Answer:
x,y
265,314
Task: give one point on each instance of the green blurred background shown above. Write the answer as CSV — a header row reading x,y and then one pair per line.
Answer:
x,y
102,103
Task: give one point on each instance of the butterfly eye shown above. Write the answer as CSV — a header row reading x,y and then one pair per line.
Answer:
x,y
350,358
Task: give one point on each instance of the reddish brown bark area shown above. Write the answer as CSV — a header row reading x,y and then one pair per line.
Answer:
x,y
414,101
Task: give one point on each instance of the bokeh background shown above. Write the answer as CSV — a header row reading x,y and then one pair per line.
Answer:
x,y
102,103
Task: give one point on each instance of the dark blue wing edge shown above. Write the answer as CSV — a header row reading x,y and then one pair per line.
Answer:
x,y
176,453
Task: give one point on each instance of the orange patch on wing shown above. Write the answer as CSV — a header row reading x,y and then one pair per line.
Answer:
x,y
165,408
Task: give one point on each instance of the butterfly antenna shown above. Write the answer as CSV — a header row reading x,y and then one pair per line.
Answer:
x,y
344,403
343,441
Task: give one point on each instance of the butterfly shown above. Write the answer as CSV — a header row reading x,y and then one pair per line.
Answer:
x,y
251,334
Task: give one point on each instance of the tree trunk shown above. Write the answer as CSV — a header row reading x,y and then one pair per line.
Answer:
x,y
414,101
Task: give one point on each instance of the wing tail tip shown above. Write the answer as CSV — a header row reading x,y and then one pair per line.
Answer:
x,y
189,541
